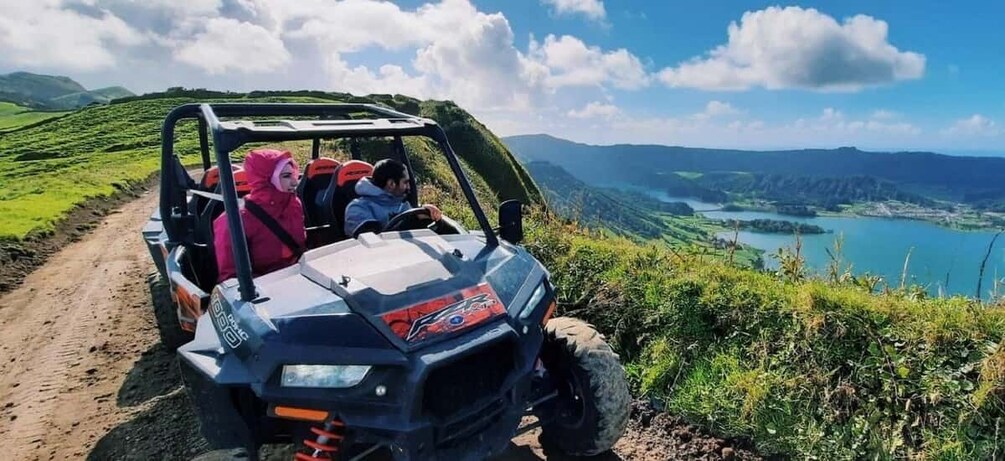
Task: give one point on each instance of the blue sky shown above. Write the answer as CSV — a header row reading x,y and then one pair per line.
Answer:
x,y
878,75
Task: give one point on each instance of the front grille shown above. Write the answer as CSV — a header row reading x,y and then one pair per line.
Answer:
x,y
460,384
455,432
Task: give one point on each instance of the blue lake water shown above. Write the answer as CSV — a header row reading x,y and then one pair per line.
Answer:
x,y
941,258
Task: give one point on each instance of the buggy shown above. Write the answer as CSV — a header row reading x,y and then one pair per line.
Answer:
x,y
424,341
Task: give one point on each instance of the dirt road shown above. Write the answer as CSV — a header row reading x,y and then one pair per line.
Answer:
x,y
82,375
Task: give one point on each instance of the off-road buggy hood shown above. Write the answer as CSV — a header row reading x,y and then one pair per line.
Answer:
x,y
374,298
416,288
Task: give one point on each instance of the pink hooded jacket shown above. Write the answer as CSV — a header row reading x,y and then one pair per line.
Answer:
x,y
268,253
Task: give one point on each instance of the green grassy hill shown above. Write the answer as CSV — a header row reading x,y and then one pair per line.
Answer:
x,y
13,116
37,86
628,215
636,216
112,92
808,369
48,169
51,92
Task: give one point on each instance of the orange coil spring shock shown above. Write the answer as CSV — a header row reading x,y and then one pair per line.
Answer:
x,y
326,445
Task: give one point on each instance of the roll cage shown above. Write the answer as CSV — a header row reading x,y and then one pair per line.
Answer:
x,y
313,122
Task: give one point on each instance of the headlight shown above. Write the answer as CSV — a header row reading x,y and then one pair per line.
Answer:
x,y
535,299
334,376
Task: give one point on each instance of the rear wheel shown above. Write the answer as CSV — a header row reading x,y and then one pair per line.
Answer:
x,y
591,411
166,314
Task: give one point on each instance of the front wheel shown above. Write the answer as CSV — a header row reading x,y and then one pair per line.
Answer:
x,y
592,408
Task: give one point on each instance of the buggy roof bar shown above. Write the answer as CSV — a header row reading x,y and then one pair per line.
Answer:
x,y
333,120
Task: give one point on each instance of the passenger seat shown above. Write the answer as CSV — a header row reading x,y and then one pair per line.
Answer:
x,y
204,256
317,178
338,197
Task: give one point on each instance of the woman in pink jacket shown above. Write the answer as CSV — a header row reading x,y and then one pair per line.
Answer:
x,y
273,176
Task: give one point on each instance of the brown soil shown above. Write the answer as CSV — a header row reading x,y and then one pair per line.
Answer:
x,y
82,374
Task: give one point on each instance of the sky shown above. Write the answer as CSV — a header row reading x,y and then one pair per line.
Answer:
x,y
888,75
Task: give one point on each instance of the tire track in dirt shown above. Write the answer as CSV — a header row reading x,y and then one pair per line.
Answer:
x,y
67,336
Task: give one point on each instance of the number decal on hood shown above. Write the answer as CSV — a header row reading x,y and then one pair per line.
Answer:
x,y
226,324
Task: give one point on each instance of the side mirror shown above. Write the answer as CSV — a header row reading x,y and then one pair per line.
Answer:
x,y
511,221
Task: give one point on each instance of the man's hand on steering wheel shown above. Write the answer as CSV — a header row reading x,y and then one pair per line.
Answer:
x,y
434,213
412,218
428,216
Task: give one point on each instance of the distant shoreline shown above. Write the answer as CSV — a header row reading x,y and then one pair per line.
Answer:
x,y
963,218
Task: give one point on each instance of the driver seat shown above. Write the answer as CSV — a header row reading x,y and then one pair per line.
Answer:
x,y
341,192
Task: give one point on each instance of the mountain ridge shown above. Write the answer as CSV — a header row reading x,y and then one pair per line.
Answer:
x,y
979,181
846,149
53,92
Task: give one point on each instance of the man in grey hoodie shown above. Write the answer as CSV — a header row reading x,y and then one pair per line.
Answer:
x,y
381,197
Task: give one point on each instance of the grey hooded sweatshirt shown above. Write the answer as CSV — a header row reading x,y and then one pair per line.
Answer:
x,y
372,205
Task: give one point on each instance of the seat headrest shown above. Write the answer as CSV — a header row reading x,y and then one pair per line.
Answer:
x,y
321,166
210,179
353,170
241,182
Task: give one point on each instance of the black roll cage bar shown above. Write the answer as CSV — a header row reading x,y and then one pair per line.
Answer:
x,y
334,120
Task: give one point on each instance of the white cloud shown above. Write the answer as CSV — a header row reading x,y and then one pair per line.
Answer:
x,y
228,45
593,9
451,50
833,122
444,50
352,25
975,125
42,34
572,63
388,79
883,114
156,8
460,53
794,47
595,110
716,109
831,114
740,129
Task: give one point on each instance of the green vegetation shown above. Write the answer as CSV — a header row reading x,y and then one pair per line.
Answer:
x,y
775,226
678,185
812,369
796,210
13,116
483,151
48,169
83,98
818,191
50,92
636,216
623,213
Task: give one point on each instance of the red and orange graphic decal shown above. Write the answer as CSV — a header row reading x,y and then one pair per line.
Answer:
x,y
454,312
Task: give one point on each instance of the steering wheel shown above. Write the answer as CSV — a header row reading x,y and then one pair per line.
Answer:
x,y
412,218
